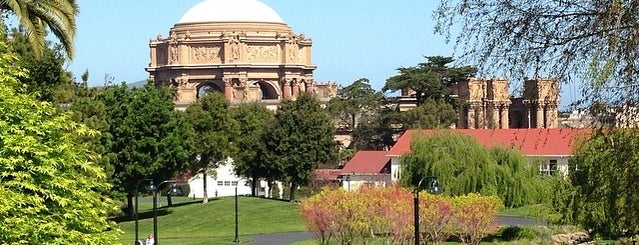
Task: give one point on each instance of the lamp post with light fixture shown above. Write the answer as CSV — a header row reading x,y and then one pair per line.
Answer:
x,y
137,186
155,207
433,188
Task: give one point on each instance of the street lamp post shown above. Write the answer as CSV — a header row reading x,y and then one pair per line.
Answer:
x,y
137,185
432,189
155,208
174,191
237,237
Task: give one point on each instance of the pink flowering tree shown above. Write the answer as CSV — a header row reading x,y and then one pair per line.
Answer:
x,y
436,215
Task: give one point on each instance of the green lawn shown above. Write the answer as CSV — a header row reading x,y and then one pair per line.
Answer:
x,y
189,222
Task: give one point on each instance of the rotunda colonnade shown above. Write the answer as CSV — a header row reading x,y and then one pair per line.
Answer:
x,y
241,48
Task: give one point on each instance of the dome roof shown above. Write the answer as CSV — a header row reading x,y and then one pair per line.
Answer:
x,y
230,11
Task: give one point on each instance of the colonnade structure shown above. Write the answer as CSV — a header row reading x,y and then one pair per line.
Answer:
x,y
486,103
240,48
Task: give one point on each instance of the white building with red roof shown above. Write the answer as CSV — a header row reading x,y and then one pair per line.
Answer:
x,y
552,146
367,168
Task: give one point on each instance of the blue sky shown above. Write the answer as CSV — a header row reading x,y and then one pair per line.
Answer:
x,y
351,39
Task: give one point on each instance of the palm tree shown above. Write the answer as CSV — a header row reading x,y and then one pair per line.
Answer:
x,y
35,16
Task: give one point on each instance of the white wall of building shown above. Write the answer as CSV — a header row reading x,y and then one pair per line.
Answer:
x,y
354,182
222,184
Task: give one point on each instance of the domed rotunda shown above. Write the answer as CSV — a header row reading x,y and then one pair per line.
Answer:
x,y
241,48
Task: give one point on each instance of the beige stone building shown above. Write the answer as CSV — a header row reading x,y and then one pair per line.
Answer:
x,y
240,48
488,104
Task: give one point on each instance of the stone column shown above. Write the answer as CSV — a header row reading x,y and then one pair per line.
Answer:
x,y
471,116
296,88
504,117
496,116
481,116
286,88
540,116
309,87
552,120
228,89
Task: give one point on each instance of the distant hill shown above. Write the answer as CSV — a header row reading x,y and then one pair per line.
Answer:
x,y
137,84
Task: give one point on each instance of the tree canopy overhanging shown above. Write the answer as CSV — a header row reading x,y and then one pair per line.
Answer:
x,y
592,41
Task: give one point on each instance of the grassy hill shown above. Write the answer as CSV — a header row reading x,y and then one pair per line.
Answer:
x,y
189,222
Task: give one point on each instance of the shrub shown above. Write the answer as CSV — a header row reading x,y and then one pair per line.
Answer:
x,y
355,217
475,217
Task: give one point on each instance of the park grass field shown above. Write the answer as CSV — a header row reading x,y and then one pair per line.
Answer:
x,y
189,222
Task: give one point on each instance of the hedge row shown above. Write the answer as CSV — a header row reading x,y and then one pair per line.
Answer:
x,y
354,217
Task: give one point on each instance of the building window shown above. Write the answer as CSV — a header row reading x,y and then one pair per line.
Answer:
x,y
220,183
549,168
234,183
227,183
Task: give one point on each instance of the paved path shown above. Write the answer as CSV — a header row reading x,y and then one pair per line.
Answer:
x,y
281,238
518,221
288,238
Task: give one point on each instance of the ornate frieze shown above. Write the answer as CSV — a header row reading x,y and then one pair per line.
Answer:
x,y
206,54
262,53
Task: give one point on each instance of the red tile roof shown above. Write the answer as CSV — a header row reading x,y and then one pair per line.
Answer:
x,y
327,174
531,142
367,162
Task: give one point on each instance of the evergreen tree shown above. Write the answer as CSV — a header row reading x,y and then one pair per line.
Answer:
x,y
354,102
299,140
215,131
252,119
142,135
47,79
429,80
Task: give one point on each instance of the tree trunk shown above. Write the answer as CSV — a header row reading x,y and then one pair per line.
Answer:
x,y
254,186
129,206
293,187
205,197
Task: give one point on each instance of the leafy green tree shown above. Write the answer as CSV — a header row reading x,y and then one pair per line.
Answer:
x,y
354,102
215,131
430,114
605,173
37,18
49,184
252,120
92,112
142,135
47,77
429,80
299,140
375,132
462,165
591,41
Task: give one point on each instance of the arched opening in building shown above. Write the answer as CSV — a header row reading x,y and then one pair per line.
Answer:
x,y
267,91
204,88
